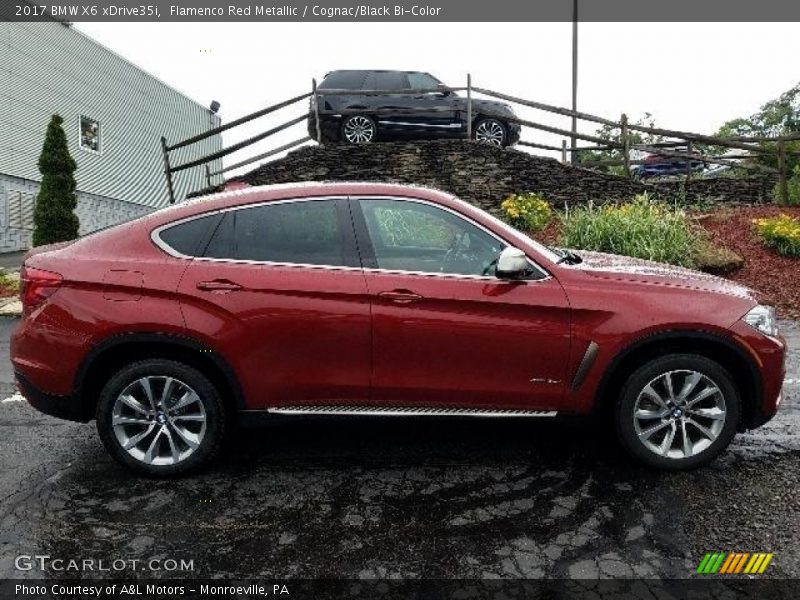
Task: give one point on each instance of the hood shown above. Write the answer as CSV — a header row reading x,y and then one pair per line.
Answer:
x,y
625,268
493,106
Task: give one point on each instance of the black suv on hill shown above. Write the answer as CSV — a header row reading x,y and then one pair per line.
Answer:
x,y
359,118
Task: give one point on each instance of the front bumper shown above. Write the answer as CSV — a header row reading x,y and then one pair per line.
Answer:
x,y
768,358
63,407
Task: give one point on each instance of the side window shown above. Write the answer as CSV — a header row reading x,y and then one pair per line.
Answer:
x,y
422,81
413,236
188,238
391,81
303,232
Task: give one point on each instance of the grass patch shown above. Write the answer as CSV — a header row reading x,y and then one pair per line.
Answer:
x,y
641,229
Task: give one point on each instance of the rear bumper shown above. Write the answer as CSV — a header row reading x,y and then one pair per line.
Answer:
x,y
63,407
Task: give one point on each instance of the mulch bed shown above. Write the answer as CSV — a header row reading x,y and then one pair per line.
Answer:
x,y
764,269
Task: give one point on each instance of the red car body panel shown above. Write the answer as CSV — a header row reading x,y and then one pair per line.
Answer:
x,y
307,335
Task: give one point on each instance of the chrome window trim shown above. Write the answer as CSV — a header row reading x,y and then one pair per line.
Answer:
x,y
405,124
161,244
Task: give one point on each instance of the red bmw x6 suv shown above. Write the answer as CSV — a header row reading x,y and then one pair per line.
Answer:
x,y
374,299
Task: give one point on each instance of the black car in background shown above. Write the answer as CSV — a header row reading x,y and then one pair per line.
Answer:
x,y
359,118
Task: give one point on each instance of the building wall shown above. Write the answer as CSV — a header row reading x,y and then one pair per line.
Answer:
x,y
48,68
17,198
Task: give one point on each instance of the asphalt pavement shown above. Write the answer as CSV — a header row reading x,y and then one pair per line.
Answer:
x,y
437,498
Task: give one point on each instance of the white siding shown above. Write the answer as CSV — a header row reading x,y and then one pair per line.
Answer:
x,y
48,68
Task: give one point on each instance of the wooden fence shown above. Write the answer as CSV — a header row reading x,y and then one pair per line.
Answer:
x,y
683,146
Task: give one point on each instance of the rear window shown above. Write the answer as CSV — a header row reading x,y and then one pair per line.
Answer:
x,y
344,80
188,238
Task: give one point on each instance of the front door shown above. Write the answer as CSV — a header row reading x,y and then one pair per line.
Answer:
x,y
446,331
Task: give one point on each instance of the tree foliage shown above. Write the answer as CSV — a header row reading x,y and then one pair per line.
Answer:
x,y
778,117
54,218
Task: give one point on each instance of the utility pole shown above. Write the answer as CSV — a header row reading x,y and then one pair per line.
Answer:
x,y
573,140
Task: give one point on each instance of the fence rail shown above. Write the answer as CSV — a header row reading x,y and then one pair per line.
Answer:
x,y
697,146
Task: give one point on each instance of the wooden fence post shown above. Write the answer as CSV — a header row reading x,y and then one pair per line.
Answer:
x,y
469,106
564,152
626,144
688,161
167,170
783,185
316,111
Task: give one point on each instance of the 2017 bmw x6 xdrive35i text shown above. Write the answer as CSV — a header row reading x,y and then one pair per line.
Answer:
x,y
358,115
376,299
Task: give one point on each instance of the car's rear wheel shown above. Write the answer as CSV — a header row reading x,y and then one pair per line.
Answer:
x,y
678,411
160,418
490,131
359,129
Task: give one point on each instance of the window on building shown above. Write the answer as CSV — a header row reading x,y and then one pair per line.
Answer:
x,y
90,134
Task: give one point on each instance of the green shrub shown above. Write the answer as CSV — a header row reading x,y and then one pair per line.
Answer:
x,y
781,233
528,212
54,219
793,186
642,229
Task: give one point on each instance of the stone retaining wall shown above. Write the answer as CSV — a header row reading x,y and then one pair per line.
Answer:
x,y
484,175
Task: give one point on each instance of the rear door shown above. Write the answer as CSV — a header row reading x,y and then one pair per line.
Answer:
x,y
446,331
404,112
280,293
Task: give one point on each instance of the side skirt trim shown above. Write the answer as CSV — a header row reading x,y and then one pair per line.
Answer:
x,y
405,411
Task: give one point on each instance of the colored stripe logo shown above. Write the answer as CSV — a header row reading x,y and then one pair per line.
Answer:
x,y
734,563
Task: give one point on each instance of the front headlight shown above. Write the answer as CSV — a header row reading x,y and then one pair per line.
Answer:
x,y
763,318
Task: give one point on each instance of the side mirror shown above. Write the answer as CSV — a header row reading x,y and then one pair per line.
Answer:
x,y
512,264
443,90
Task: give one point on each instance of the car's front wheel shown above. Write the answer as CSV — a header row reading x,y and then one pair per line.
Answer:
x,y
678,411
359,129
160,418
490,131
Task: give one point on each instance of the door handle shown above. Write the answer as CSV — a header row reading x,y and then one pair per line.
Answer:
x,y
219,285
400,296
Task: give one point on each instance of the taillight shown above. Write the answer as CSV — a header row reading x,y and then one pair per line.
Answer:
x,y
37,286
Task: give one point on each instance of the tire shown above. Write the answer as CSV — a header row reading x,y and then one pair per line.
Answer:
x,y
490,131
359,129
171,442
704,402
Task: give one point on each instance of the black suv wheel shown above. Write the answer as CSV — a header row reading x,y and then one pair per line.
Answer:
x,y
359,129
490,131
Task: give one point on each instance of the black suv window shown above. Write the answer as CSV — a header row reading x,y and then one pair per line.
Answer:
x,y
422,81
387,80
304,232
344,80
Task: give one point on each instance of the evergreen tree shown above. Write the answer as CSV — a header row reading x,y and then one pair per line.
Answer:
x,y
54,219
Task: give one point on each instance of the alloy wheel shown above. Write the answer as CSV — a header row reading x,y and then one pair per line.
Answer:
x,y
159,420
490,132
359,130
679,414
